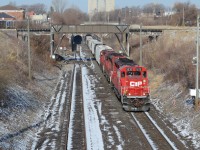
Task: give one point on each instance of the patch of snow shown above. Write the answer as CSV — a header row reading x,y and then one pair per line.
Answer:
x,y
184,119
57,104
94,103
120,146
83,55
20,104
94,137
73,109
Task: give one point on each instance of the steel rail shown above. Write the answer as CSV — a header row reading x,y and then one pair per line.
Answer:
x,y
161,131
148,138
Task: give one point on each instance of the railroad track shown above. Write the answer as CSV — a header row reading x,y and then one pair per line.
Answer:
x,y
155,136
75,125
53,133
76,132
65,126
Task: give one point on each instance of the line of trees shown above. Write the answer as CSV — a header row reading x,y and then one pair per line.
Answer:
x,y
152,14
149,14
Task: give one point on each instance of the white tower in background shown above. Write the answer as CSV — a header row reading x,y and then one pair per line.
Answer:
x,y
110,5
100,6
92,7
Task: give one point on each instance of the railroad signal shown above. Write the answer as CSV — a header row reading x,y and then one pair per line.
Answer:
x,y
74,47
194,60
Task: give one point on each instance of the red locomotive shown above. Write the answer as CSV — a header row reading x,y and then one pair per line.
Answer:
x,y
129,80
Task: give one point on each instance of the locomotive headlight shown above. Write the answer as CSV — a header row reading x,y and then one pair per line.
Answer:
x,y
144,81
129,94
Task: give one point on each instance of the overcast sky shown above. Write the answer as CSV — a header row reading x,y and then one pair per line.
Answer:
x,y
82,4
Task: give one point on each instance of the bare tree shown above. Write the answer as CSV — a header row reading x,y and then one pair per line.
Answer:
x,y
57,18
153,8
74,16
59,5
186,14
69,16
38,8
115,15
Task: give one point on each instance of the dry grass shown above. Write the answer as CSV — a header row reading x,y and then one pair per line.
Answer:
x,y
171,54
14,59
155,80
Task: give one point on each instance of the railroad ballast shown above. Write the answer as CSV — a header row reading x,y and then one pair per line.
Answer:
x,y
129,80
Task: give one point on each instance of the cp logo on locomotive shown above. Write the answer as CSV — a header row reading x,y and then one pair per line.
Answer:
x,y
133,83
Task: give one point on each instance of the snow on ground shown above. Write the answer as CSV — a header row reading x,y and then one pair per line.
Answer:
x,y
73,109
178,108
119,147
53,124
94,117
94,137
83,55
19,114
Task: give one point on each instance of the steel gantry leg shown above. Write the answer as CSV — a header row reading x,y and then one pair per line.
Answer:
x,y
197,66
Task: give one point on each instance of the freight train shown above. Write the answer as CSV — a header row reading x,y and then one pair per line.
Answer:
x,y
128,80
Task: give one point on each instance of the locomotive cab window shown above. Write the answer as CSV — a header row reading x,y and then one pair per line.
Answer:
x,y
137,73
144,74
129,73
122,74
133,73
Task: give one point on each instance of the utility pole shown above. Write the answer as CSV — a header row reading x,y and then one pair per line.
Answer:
x,y
29,51
51,41
51,37
140,44
197,66
18,51
183,24
127,44
105,11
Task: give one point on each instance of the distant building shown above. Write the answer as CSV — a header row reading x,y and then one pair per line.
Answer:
x,y
6,17
169,13
15,12
92,7
100,6
9,15
110,5
39,18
